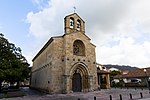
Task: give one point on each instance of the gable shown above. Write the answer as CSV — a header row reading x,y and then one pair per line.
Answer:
x,y
45,46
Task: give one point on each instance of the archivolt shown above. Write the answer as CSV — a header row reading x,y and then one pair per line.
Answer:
x,y
80,68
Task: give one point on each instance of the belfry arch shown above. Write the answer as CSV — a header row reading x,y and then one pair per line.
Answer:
x,y
79,78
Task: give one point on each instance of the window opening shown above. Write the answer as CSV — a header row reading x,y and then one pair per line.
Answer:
x,y
78,25
71,22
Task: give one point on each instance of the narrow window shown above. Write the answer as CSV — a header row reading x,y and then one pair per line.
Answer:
x,y
78,25
71,22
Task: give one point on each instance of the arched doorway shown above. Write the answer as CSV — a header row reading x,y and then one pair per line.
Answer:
x,y
79,78
76,82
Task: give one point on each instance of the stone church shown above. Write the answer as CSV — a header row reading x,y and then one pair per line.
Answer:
x,y
66,63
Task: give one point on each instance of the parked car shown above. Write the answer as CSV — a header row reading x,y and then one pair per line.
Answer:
x,y
5,86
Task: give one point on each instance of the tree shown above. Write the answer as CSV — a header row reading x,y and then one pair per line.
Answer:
x,y
13,65
113,73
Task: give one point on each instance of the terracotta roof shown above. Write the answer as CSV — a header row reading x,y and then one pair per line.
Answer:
x,y
117,76
124,70
135,73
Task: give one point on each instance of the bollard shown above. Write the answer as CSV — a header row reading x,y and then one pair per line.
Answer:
x,y
78,98
110,97
94,98
141,94
130,96
120,97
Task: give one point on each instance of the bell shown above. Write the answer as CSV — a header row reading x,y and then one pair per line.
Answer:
x,y
78,26
71,23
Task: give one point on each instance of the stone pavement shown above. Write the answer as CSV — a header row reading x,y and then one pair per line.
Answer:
x,y
104,94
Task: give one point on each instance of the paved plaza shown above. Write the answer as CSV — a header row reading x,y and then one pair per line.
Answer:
x,y
103,94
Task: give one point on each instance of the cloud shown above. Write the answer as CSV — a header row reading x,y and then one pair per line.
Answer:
x,y
126,52
49,20
119,28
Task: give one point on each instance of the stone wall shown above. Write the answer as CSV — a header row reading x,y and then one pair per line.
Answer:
x,y
49,76
88,60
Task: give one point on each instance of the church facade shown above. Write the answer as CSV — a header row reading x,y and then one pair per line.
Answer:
x,y
66,63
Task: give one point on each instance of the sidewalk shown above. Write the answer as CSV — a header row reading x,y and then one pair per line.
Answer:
x,y
104,94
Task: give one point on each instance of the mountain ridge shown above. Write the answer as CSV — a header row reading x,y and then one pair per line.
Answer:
x,y
120,67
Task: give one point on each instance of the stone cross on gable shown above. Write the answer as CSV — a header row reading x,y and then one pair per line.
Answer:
x,y
74,9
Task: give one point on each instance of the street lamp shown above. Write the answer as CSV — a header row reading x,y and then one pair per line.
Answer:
x,y
146,77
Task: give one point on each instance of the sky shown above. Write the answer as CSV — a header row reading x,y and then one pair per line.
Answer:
x,y
120,29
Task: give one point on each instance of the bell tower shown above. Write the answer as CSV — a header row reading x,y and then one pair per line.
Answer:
x,y
73,23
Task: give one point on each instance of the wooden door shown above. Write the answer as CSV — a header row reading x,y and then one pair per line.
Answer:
x,y
76,82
